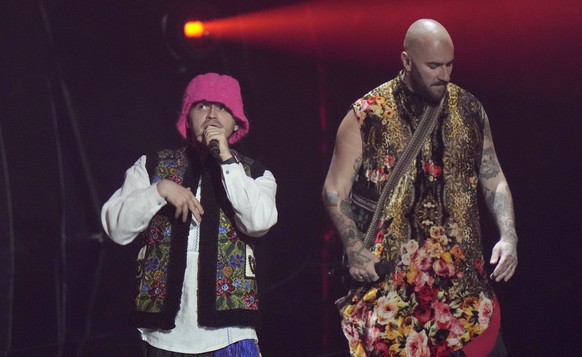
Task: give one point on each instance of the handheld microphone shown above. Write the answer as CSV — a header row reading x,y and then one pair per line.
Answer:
x,y
214,148
381,269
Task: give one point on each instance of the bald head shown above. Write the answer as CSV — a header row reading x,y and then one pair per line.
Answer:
x,y
427,59
425,34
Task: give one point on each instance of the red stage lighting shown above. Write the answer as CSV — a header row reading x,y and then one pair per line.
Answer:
x,y
520,36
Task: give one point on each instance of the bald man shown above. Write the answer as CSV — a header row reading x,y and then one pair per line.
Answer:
x,y
437,298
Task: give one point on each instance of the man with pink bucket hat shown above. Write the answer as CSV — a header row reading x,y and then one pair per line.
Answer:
x,y
197,212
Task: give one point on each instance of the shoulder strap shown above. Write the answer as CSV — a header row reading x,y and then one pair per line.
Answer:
x,y
425,127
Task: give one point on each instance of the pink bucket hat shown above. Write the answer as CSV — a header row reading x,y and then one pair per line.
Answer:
x,y
214,87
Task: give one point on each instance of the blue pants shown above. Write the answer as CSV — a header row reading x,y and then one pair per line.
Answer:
x,y
244,348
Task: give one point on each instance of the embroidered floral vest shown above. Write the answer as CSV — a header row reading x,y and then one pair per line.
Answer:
x,y
227,286
437,295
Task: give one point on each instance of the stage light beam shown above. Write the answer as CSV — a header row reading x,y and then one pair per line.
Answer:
x,y
498,34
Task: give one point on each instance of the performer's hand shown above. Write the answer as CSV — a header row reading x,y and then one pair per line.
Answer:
x,y
504,252
182,198
361,262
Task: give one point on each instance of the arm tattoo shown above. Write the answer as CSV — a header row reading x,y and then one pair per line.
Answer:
x,y
346,209
497,194
489,164
346,229
357,258
340,212
501,206
490,167
341,215
331,199
349,236
357,165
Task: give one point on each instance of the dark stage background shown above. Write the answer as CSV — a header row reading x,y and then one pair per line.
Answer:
x,y
86,87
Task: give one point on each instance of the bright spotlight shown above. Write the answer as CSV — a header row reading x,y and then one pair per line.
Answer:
x,y
195,29
185,30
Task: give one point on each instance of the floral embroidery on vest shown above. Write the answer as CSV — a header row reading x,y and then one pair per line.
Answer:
x,y
153,258
153,266
234,288
162,259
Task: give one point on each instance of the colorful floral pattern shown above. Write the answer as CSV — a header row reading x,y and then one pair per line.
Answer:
x,y
382,111
153,260
234,288
417,315
437,297
153,265
172,170
433,170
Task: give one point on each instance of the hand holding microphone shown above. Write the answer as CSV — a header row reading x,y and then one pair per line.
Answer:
x,y
214,148
212,134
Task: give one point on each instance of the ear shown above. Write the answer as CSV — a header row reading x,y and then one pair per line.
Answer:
x,y
406,63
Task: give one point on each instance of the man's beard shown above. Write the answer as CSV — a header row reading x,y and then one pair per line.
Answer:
x,y
424,90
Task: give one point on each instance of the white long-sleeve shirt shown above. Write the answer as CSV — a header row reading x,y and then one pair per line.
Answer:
x,y
128,212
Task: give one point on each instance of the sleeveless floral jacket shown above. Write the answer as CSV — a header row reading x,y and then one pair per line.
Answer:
x,y
436,298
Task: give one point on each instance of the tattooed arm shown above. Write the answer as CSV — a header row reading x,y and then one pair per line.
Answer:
x,y
346,160
499,202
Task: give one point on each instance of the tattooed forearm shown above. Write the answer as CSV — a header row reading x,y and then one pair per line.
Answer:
x,y
340,213
497,202
349,236
508,227
357,258
346,209
337,202
351,240
500,205
346,228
